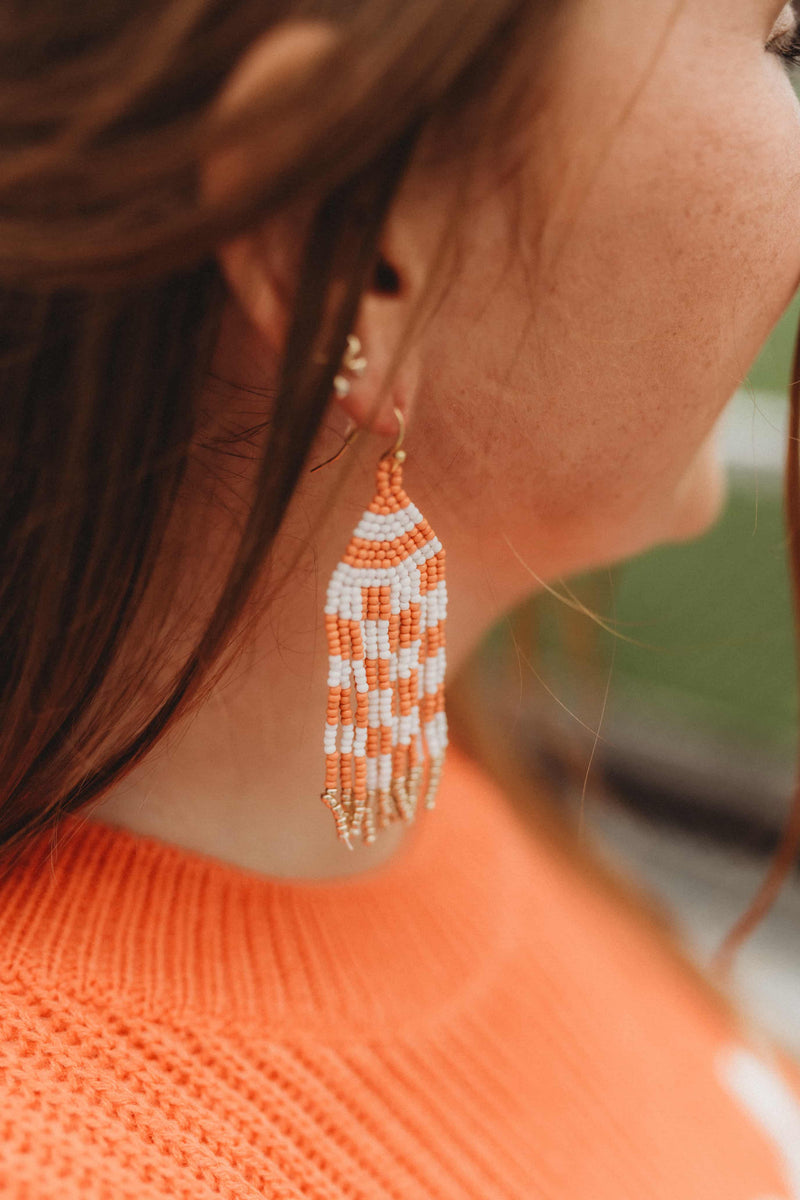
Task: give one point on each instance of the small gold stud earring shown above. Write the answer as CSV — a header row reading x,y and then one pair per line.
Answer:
x,y
352,361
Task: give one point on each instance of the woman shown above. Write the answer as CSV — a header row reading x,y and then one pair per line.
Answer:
x,y
533,246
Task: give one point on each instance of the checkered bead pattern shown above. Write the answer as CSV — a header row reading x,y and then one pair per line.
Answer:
x,y
385,612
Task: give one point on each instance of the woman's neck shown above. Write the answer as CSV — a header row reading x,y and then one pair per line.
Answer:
x,y
240,778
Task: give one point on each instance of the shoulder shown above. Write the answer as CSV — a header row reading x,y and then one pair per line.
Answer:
x,y
76,1120
98,1102
51,1128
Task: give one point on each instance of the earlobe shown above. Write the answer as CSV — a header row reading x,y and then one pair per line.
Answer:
x,y
261,269
367,363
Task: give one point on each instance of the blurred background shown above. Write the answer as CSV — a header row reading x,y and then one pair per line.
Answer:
x,y
676,734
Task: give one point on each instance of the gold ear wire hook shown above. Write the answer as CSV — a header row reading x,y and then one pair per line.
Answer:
x,y
347,441
399,454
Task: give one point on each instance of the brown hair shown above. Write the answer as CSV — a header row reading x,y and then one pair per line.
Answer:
x,y
110,299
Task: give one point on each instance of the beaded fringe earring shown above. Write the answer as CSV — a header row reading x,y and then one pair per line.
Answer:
x,y
385,622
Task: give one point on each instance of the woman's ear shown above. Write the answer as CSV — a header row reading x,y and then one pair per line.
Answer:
x,y
261,265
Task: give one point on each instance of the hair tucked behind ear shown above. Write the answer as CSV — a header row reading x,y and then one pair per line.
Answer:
x,y
110,300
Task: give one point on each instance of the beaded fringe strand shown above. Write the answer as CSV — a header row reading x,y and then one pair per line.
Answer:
x,y
385,622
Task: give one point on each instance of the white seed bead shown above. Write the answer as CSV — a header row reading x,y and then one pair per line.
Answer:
x,y
360,677
441,721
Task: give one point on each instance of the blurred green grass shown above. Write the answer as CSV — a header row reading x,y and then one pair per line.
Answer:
x,y
771,371
714,616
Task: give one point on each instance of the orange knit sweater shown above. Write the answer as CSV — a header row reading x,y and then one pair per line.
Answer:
x,y
471,1021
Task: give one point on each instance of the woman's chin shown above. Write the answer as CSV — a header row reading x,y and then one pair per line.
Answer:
x,y
700,496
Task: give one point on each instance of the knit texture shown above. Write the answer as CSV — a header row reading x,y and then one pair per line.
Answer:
x,y
471,1021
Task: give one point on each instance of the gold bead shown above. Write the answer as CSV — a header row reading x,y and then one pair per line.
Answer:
x,y
330,798
369,820
385,813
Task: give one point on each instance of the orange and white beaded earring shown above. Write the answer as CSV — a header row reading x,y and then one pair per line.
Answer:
x,y
385,611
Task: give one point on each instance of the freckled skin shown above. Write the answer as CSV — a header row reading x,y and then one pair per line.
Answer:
x,y
558,403
609,299
572,411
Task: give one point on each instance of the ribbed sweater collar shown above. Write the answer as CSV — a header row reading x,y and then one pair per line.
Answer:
x,y
165,932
